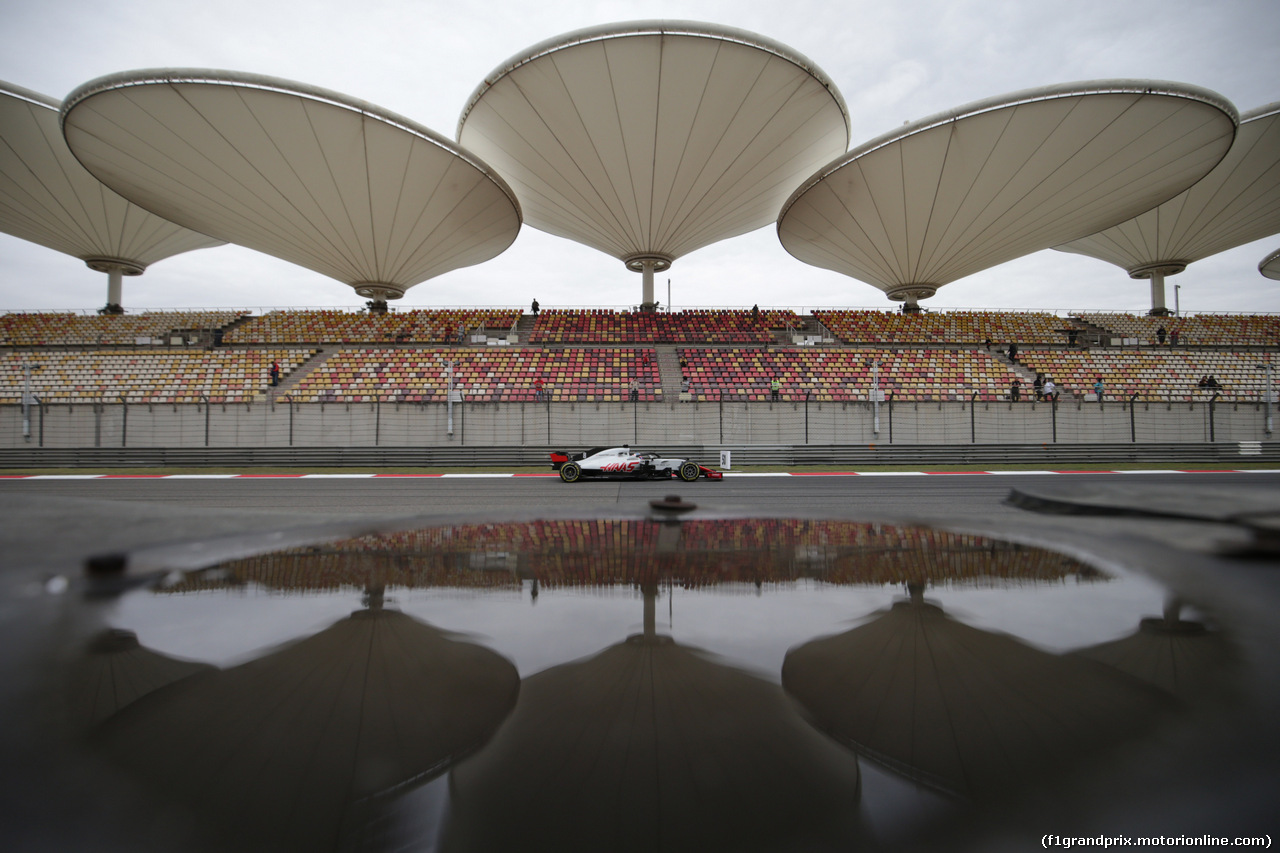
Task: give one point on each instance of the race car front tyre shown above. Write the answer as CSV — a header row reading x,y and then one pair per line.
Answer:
x,y
690,471
570,472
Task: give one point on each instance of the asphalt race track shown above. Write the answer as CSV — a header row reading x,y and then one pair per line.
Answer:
x,y
54,524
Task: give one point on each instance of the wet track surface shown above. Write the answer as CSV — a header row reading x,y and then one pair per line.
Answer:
x,y
651,657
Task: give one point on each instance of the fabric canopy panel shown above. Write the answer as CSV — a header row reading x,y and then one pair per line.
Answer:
x,y
333,184
1237,203
48,198
962,191
652,139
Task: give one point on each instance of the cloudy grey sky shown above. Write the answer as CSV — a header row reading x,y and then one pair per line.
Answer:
x,y
893,62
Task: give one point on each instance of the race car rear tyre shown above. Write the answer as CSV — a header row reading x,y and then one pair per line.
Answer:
x,y
570,472
690,471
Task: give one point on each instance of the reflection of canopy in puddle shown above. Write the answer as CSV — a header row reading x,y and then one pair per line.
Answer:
x,y
293,745
116,671
1183,658
648,746
629,551
965,711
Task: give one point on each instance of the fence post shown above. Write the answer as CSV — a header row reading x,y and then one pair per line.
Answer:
x,y
124,422
973,418
40,404
721,402
1053,409
208,408
97,424
891,417
290,402
1133,424
1212,405
377,422
806,417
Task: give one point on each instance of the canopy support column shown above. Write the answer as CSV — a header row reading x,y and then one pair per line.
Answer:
x,y
1158,308
647,265
116,269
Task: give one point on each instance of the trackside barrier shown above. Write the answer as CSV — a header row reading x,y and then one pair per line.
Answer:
x,y
967,422
1226,455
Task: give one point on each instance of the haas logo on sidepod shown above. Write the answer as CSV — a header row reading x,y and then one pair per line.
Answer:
x,y
619,466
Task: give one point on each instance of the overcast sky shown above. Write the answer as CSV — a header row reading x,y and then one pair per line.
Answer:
x,y
893,62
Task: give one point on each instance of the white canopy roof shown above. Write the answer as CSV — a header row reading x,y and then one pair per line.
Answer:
x,y
47,197
1270,265
651,139
948,196
328,182
1237,203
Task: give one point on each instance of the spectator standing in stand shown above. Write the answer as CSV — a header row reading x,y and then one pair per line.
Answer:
x,y
1050,390
634,390
1098,388
275,373
1160,335
775,387
535,308
755,313
537,388
1038,386
1015,389
1013,350
1173,339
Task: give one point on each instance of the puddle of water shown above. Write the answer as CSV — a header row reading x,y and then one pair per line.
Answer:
x,y
630,684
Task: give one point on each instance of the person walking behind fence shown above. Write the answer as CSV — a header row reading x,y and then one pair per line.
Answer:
x,y
275,373
1050,391
1013,350
537,389
1038,387
1160,335
1015,389
776,388
634,390
535,308
1098,388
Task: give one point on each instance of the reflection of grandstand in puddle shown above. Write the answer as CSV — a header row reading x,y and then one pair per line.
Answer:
x,y
629,552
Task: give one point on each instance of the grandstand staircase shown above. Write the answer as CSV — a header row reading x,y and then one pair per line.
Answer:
x,y
1026,374
237,322
1093,334
524,328
288,382
669,369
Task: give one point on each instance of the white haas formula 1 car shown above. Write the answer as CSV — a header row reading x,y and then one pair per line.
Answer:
x,y
623,463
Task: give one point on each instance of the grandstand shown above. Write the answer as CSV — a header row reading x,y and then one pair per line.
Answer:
x,y
689,327
146,376
489,375
298,327
566,358
80,330
952,327
847,374
1150,374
